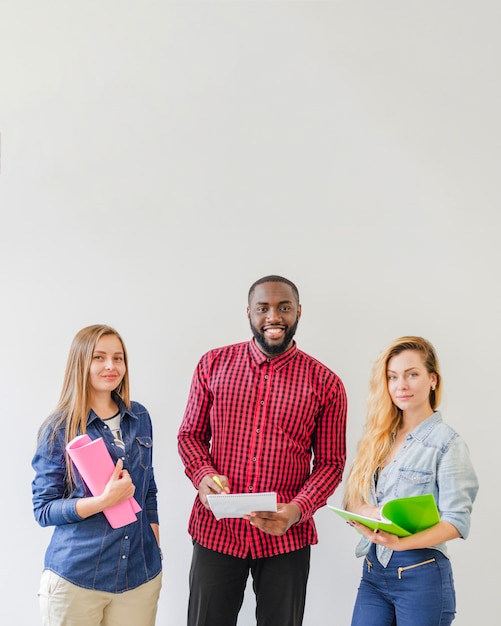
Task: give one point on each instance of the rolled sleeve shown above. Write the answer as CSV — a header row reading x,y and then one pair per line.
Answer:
x,y
458,487
50,506
329,459
151,504
195,432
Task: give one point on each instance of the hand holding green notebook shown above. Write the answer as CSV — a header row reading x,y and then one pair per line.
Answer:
x,y
401,517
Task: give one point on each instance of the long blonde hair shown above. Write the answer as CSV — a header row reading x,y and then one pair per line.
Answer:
x,y
383,417
72,410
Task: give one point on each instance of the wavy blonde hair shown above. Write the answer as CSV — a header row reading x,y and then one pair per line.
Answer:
x,y
383,417
72,410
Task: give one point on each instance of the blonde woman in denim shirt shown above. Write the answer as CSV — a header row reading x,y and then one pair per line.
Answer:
x,y
95,574
407,449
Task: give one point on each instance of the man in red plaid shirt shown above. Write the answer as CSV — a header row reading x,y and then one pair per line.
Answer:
x,y
261,416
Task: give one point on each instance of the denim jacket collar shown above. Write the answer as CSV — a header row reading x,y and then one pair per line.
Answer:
x,y
424,429
121,407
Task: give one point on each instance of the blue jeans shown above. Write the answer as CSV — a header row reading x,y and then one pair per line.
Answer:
x,y
415,589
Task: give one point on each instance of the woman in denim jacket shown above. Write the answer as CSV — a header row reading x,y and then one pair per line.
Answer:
x,y
407,450
95,574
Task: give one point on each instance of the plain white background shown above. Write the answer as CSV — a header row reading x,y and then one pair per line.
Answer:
x,y
158,157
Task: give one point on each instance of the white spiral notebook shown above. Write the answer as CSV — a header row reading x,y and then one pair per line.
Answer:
x,y
240,504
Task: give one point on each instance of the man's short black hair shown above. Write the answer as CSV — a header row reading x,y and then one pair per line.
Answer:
x,y
273,278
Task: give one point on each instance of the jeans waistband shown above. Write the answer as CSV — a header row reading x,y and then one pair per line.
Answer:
x,y
407,557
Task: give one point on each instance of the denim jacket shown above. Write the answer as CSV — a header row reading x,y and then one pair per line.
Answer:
x,y
434,459
89,552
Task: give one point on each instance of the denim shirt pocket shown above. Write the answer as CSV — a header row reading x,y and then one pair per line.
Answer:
x,y
145,445
413,482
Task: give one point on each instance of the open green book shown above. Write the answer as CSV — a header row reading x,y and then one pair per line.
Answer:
x,y
401,517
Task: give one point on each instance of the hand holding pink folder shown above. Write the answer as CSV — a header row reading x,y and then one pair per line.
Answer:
x,y
95,465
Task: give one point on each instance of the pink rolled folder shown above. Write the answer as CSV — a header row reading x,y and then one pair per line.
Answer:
x,y
95,465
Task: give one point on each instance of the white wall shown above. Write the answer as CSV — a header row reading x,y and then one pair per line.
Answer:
x,y
158,157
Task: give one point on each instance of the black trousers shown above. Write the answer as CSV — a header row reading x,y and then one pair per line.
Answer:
x,y
218,581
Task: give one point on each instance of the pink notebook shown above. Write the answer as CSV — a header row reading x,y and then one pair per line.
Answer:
x,y
95,465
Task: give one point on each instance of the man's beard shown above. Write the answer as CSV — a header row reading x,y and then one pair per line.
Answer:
x,y
278,348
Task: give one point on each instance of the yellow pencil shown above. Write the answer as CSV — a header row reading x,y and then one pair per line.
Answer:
x,y
216,480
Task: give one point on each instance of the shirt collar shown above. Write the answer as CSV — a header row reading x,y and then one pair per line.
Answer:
x,y
424,429
276,361
121,407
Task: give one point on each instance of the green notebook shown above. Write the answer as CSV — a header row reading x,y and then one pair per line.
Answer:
x,y
401,517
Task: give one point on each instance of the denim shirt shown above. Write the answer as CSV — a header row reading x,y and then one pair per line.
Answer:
x,y
433,459
89,552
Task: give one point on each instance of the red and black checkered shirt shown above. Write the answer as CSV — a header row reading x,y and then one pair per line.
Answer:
x,y
261,422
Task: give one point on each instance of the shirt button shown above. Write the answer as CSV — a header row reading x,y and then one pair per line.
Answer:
x,y
262,402
266,376
253,459
123,556
258,430
126,537
251,488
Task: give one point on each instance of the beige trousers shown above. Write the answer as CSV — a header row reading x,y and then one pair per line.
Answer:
x,y
65,604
